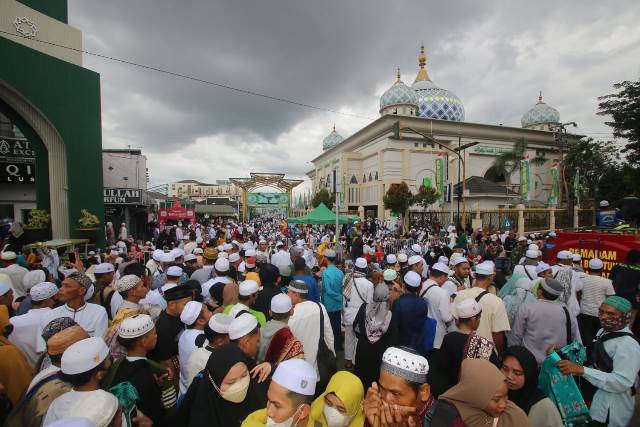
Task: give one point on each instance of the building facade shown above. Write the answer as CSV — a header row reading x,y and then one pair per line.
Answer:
x,y
192,189
416,140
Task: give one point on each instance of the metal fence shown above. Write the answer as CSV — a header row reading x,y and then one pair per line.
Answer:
x,y
499,219
536,219
563,218
586,218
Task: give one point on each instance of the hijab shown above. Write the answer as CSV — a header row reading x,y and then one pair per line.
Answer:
x,y
350,391
529,394
479,380
15,372
377,314
203,404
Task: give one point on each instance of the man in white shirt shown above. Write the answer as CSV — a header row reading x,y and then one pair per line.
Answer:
x,y
438,300
25,327
459,278
595,289
221,275
195,316
282,256
91,317
356,290
15,272
305,322
528,268
563,272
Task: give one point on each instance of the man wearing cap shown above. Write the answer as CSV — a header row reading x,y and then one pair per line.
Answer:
x,y
102,290
248,292
15,272
6,294
154,262
615,367
390,277
209,257
190,264
216,333
244,331
606,216
215,289
571,281
25,327
282,256
290,394
494,321
156,398
576,263
305,322
438,300
332,279
356,290
528,268
595,289
408,308
277,342
544,322
92,317
302,273
195,315
518,252
401,394
460,277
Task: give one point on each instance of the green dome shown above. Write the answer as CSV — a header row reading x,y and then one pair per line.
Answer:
x,y
541,113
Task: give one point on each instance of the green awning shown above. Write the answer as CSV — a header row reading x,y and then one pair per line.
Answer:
x,y
320,215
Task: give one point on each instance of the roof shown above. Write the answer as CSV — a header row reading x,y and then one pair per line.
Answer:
x,y
216,210
191,181
477,185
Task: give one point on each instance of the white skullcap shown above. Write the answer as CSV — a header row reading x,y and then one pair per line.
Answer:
x,y
198,240
330,253
296,375
177,252
190,312
8,256
32,278
223,255
190,257
416,248
220,248
459,260
98,406
279,243
220,322
604,203
485,268
135,326
105,267
262,242
414,259
84,355
242,325
564,255
198,251
533,247
361,263
127,282
443,260
552,234
250,252
43,291
542,266
174,271
402,257
391,259
442,268
522,239
4,288
227,246
530,253
234,257
300,243
157,255
576,257
281,304
412,279
221,264
248,287
595,264
167,257
73,422
467,308
402,362
390,274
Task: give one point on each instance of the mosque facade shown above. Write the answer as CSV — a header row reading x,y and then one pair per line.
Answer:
x,y
366,163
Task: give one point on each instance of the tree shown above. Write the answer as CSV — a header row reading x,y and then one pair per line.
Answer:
x,y
322,196
425,197
624,108
398,199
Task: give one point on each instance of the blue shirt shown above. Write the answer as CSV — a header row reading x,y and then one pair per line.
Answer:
x,y
332,279
410,312
312,284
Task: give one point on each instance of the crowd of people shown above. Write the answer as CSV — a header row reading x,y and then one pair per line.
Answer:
x,y
258,324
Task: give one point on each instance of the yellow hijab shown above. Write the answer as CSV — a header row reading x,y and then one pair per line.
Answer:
x,y
349,389
15,372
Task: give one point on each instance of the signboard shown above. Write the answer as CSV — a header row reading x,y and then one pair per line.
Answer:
x,y
17,161
268,199
484,149
176,212
122,196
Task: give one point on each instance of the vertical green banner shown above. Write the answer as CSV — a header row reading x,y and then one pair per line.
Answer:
x,y
576,187
555,185
439,166
525,179
343,189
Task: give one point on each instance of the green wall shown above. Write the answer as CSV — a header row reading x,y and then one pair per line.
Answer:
x,y
57,9
69,96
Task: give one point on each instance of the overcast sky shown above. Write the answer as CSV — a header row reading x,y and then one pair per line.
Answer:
x,y
339,55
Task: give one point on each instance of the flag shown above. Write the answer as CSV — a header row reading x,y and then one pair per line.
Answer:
x,y
555,185
343,188
439,168
525,179
576,187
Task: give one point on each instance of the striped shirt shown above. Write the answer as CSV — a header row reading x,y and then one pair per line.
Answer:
x,y
594,290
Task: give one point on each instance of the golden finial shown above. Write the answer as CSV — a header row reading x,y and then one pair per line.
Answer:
x,y
540,98
398,75
422,60
334,127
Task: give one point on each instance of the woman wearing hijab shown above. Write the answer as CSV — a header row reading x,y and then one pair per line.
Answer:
x,y
480,399
341,403
520,368
376,331
15,372
224,393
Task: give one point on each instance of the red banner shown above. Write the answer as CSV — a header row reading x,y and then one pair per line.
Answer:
x,y
176,212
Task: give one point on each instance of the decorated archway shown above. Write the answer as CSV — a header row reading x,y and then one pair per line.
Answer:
x,y
257,180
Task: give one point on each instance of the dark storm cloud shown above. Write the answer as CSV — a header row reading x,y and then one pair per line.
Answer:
x,y
336,54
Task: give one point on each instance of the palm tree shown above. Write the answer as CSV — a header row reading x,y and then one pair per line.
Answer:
x,y
508,162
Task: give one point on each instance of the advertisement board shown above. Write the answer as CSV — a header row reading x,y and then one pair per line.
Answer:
x,y
268,199
17,161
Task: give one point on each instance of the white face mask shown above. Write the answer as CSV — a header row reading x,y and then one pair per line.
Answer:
x,y
286,423
237,391
335,418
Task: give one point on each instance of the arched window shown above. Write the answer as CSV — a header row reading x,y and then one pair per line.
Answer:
x,y
354,180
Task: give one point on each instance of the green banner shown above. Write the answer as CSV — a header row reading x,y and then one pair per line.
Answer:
x,y
555,186
440,176
525,179
576,187
268,199
343,189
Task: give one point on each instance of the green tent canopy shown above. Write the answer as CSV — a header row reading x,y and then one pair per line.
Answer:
x,y
320,215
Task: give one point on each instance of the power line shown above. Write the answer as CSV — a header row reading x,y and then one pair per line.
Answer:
x,y
193,78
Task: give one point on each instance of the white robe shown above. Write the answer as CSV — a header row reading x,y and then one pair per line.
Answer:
x,y
62,406
305,325
91,317
25,330
186,346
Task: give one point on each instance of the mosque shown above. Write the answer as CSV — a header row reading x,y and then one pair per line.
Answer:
x,y
374,157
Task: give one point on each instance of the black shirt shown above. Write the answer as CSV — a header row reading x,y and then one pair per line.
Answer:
x,y
168,327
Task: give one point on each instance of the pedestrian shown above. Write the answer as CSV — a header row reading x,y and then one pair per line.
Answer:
x,y
595,289
410,311
341,402
438,300
195,316
332,279
277,342
216,333
356,291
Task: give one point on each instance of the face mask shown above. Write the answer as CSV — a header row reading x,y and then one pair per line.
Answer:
x,y
286,423
611,324
334,417
238,390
